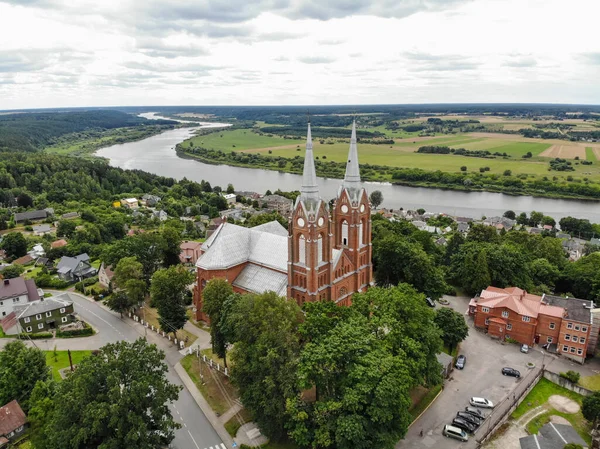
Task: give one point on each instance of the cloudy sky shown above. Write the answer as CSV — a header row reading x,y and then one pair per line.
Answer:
x,y
226,52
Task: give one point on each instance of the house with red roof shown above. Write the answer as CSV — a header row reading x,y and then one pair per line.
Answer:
x,y
12,423
562,324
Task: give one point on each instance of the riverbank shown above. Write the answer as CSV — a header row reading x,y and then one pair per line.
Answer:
x,y
85,144
465,182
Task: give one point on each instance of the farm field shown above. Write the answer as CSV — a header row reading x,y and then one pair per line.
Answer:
x,y
402,152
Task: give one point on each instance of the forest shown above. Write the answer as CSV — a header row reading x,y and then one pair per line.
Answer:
x,y
36,130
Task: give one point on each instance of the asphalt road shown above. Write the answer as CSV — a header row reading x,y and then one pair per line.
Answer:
x,y
196,431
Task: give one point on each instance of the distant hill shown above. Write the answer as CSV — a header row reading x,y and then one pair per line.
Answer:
x,y
34,131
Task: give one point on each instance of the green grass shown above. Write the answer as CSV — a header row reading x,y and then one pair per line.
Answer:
x,y
577,420
208,388
591,382
62,360
424,402
540,394
233,425
243,139
590,155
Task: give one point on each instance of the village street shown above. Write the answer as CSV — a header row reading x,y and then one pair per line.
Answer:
x,y
196,431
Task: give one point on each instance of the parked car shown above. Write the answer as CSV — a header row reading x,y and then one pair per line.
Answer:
x,y
455,432
464,425
460,362
469,418
430,302
506,371
481,402
525,349
475,412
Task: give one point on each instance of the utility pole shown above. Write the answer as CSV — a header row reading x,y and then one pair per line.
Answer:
x,y
70,360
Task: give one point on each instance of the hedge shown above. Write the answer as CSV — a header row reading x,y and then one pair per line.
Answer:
x,y
37,336
85,332
46,280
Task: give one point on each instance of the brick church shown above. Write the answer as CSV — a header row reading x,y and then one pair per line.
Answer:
x,y
325,254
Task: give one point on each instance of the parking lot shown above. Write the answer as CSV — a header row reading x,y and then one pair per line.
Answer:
x,y
481,377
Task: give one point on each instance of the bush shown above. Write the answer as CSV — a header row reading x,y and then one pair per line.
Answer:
x,y
573,376
507,172
86,331
38,336
46,280
512,340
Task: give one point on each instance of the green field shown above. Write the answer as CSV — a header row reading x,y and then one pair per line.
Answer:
x,y
590,155
62,360
403,152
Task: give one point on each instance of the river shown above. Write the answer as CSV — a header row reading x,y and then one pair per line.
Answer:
x,y
157,155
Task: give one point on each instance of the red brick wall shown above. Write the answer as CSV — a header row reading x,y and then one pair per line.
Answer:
x,y
573,346
206,275
516,328
544,331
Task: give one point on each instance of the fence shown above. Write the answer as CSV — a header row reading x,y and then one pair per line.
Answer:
x,y
210,362
566,383
502,411
179,343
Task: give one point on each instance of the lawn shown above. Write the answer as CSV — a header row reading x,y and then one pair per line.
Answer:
x,y
62,360
151,315
539,397
233,425
209,354
204,380
424,401
590,155
591,382
239,139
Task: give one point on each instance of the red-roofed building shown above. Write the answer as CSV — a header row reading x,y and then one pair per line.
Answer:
x,y
12,422
190,252
564,324
58,243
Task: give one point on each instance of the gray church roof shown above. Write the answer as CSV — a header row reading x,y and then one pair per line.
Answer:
x,y
352,177
232,245
309,192
259,279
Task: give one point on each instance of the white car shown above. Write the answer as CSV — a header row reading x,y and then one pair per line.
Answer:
x,y
481,402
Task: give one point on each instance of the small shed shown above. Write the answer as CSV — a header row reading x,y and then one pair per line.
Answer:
x,y
447,363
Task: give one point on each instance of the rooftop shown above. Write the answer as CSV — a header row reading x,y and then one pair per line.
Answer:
x,y
11,417
44,305
577,309
9,288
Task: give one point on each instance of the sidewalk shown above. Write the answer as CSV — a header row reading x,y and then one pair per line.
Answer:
x,y
206,409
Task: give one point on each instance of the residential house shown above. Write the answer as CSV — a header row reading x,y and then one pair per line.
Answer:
x,y
32,215
573,247
16,291
44,262
553,436
441,241
37,251
548,227
58,243
277,203
500,223
190,252
200,226
463,219
214,224
75,268
150,200
248,194
25,260
69,215
105,275
130,203
562,235
535,231
595,242
160,215
46,314
563,324
230,198
236,214
419,224
13,423
463,227
42,229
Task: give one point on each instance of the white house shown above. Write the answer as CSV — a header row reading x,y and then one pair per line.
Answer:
x,y
15,292
230,197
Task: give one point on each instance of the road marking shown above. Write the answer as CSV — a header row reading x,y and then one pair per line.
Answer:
x,y
196,444
102,319
223,446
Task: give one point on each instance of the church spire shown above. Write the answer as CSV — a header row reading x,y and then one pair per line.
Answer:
x,y
352,177
310,189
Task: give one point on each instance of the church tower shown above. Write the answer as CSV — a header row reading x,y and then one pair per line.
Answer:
x,y
352,224
310,238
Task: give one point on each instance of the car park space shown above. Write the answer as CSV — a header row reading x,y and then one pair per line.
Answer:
x,y
481,377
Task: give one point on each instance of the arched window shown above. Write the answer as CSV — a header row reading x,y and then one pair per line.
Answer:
x,y
302,249
360,234
344,232
320,248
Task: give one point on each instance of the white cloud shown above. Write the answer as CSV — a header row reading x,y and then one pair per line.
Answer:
x,y
85,52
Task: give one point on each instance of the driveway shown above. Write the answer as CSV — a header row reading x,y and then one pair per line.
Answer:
x,y
480,377
196,431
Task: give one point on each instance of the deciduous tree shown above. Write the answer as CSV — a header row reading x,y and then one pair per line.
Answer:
x,y
376,198
591,407
168,292
214,295
116,398
20,368
14,244
453,326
